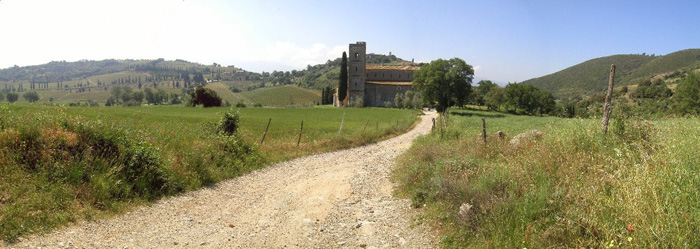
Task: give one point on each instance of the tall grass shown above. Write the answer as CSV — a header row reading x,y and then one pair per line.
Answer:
x,y
637,187
64,164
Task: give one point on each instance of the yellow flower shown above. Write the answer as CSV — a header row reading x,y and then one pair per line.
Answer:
x,y
629,239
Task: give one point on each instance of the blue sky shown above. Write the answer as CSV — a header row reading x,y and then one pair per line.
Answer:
x,y
506,41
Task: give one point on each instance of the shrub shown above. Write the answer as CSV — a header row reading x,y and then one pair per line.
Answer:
x,y
12,97
31,96
240,104
205,97
229,123
257,105
357,103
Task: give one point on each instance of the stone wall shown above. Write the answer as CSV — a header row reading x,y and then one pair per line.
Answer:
x,y
390,75
377,94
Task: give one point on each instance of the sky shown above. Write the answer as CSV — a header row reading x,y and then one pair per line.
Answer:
x,y
505,41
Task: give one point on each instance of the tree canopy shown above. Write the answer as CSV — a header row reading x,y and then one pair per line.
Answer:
x,y
445,82
31,96
343,79
205,97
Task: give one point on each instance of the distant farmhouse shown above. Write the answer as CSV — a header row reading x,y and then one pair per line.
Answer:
x,y
375,84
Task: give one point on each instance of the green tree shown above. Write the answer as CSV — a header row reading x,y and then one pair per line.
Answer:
x,y
495,98
408,99
205,97
149,95
137,96
343,80
398,100
687,94
2,97
480,93
31,96
445,82
12,97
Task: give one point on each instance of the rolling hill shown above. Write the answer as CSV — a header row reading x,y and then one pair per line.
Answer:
x,y
591,76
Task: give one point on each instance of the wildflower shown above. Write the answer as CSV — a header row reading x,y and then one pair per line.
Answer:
x,y
630,228
629,239
172,133
16,138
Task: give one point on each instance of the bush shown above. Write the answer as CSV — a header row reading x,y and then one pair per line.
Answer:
x,y
12,97
257,105
240,104
31,96
205,97
357,103
229,123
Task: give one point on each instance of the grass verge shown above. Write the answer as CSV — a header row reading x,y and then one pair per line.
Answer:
x,y
637,187
60,165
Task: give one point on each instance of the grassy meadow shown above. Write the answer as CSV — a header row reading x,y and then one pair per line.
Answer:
x,y
637,187
60,164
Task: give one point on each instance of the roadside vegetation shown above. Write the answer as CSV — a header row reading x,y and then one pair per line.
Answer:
x,y
636,187
63,164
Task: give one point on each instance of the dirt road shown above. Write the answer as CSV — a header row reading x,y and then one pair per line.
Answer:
x,y
331,200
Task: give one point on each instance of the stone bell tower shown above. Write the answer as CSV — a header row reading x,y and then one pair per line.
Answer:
x,y
357,73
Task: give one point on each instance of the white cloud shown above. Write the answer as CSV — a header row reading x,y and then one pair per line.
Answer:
x,y
298,57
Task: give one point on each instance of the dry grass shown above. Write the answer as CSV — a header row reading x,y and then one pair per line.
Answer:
x,y
638,187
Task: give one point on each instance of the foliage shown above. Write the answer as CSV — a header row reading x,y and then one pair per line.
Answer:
x,y
495,98
445,82
230,122
31,96
479,95
409,100
343,79
647,89
687,94
12,97
357,103
638,188
327,96
528,98
204,96
52,161
591,76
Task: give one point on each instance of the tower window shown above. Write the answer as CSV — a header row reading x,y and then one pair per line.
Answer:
x,y
355,69
357,55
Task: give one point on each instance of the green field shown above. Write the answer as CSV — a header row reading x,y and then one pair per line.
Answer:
x,y
637,187
60,164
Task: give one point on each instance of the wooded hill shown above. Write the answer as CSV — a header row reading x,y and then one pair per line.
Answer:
x,y
92,80
590,77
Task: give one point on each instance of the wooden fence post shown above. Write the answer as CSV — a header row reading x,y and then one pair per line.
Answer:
x,y
483,129
606,109
301,130
365,127
442,119
433,128
341,126
265,134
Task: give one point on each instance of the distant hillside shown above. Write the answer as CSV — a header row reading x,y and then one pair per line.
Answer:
x,y
92,80
591,76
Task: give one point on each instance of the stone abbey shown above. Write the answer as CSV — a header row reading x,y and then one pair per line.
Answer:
x,y
375,84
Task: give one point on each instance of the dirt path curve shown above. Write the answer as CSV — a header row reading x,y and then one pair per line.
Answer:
x,y
331,200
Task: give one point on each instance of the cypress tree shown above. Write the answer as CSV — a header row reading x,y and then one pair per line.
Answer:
x,y
343,82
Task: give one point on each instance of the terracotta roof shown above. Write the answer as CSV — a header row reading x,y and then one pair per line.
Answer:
x,y
383,67
391,83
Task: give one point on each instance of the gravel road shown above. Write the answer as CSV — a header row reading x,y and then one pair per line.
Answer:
x,y
332,200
